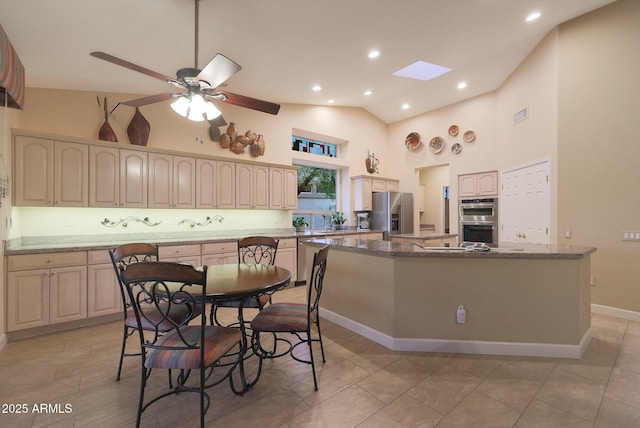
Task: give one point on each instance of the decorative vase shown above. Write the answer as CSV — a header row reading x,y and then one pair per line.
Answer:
x,y
261,144
106,132
139,129
232,131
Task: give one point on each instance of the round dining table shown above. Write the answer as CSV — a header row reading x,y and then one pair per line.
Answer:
x,y
237,282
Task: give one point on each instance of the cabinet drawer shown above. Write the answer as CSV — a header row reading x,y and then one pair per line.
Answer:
x,y
287,243
98,257
220,247
46,260
173,251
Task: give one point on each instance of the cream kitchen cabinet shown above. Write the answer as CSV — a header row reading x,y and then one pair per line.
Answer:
x,y
50,173
218,253
480,184
287,256
104,176
172,181
252,186
45,289
384,185
189,253
362,188
117,177
283,188
215,184
103,289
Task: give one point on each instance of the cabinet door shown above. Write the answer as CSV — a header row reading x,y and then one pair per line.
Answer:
x,y
33,170
290,189
27,299
378,185
225,184
286,256
104,176
133,179
244,181
487,184
362,188
466,185
103,290
184,182
160,180
205,183
67,294
260,187
391,186
276,188
71,174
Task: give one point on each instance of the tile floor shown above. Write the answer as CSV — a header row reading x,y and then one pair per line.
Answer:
x,y
362,385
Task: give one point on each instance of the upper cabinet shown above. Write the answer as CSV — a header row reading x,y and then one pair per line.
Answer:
x,y
283,188
104,176
215,184
480,184
363,187
50,173
252,183
172,181
133,178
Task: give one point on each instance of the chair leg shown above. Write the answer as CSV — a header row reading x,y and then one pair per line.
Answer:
x,y
313,365
125,335
143,384
320,339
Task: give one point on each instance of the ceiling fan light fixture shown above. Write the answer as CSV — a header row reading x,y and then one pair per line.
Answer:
x,y
195,107
181,106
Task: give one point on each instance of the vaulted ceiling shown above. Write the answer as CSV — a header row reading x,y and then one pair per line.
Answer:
x,y
287,46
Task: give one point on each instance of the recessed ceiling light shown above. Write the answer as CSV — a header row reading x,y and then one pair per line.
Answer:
x,y
533,16
405,106
331,101
316,88
374,54
367,92
462,85
422,70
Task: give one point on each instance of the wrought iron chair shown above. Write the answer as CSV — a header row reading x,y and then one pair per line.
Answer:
x,y
251,250
124,255
155,288
294,318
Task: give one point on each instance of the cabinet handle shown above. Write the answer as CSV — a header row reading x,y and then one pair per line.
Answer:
x,y
48,202
53,273
45,274
49,261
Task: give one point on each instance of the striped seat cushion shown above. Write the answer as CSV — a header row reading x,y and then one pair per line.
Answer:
x,y
218,342
282,317
178,313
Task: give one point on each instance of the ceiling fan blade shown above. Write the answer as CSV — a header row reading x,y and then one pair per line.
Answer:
x,y
248,102
131,66
217,122
219,69
139,102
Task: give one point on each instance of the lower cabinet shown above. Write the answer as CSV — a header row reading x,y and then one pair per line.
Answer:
x,y
287,256
220,253
189,254
103,290
46,289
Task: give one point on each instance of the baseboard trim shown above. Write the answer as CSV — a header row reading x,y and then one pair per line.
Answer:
x,y
615,312
462,346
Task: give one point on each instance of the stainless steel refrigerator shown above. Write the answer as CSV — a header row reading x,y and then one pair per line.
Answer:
x,y
392,212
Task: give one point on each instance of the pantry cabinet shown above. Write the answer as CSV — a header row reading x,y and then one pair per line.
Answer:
x,y
50,173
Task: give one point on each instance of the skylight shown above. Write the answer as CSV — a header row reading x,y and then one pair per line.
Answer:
x,y
422,70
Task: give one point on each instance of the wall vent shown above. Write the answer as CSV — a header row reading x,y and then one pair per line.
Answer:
x,y
521,115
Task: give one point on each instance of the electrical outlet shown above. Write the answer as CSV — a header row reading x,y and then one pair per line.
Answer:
x,y
461,315
567,233
592,281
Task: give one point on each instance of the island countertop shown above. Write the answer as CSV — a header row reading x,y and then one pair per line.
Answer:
x,y
399,249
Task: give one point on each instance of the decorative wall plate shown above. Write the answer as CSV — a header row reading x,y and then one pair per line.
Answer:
x,y
453,130
436,144
456,148
413,141
469,137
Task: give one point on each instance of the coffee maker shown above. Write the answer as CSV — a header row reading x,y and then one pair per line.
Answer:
x,y
363,221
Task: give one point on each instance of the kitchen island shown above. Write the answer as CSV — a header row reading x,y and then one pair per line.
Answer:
x,y
519,300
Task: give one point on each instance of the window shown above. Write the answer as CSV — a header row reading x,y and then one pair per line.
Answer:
x,y
316,195
305,145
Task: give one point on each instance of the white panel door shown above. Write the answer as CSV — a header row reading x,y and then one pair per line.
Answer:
x,y
525,204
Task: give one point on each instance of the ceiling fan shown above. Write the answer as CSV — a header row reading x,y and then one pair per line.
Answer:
x,y
199,86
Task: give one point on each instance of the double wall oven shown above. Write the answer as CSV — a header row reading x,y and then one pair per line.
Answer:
x,y
479,221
